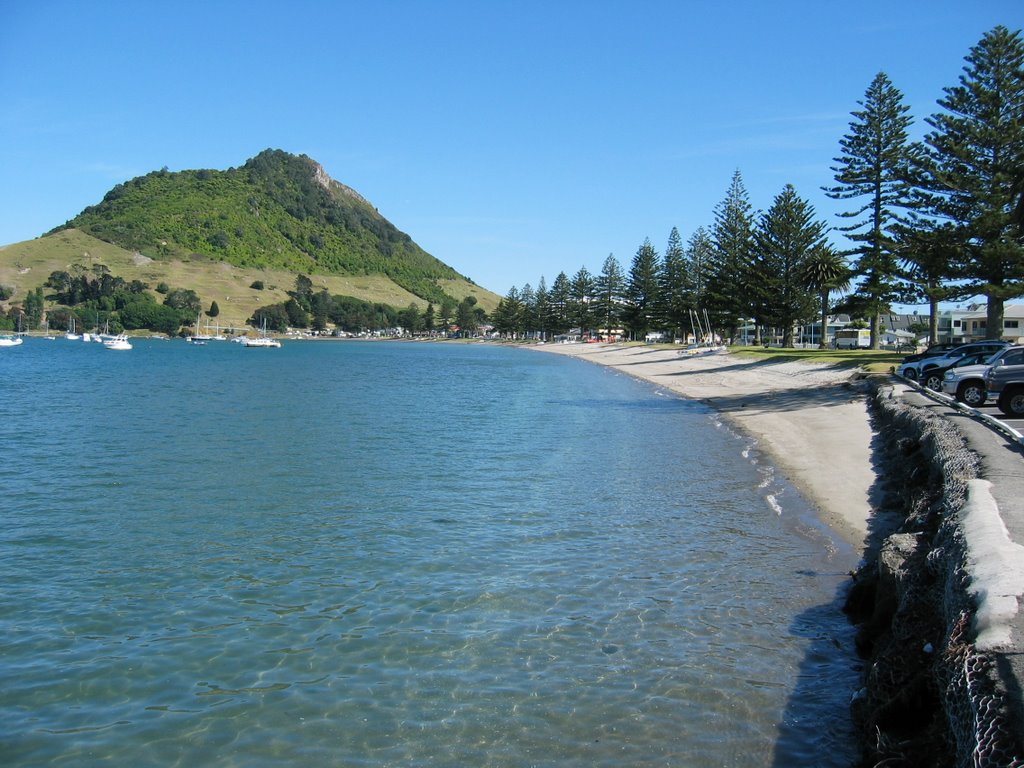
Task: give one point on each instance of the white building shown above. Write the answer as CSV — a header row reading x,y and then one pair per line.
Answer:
x,y
963,325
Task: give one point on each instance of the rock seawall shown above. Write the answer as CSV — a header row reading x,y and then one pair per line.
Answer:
x,y
930,696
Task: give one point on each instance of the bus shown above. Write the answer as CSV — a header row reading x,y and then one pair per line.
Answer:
x,y
852,338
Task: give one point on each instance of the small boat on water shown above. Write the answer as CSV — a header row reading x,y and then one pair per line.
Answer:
x,y
117,342
11,339
261,341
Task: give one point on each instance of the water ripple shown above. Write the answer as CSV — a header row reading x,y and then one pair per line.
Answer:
x,y
400,555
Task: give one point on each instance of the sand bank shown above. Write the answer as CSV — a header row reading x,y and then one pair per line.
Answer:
x,y
814,426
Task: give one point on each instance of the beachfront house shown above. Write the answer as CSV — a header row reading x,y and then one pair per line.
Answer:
x,y
960,325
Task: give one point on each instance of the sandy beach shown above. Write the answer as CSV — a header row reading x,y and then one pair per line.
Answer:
x,y
814,425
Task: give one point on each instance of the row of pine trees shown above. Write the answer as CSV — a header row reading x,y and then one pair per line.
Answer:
x,y
928,221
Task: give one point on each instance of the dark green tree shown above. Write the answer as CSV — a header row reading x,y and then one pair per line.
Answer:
x,y
541,310
34,308
528,309
675,289
320,308
875,169
974,174
410,319
466,316
728,290
642,290
273,317
700,249
559,299
786,236
146,313
296,314
609,295
429,318
927,253
303,286
447,314
581,298
214,310
507,318
185,300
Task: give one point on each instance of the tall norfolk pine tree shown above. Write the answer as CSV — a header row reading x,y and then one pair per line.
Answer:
x,y
642,290
609,288
581,297
875,168
727,290
675,288
785,239
974,173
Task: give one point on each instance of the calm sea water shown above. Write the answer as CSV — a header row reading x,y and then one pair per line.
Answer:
x,y
389,554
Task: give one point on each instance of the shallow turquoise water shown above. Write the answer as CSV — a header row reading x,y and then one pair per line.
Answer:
x,y
400,554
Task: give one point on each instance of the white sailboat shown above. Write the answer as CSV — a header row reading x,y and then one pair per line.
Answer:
x,y
71,335
12,340
262,340
197,337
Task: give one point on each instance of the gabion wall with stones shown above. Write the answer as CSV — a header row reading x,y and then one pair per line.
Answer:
x,y
929,697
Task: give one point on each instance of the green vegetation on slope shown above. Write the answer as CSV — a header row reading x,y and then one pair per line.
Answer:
x,y
278,212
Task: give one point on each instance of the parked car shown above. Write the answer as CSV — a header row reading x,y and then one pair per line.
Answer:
x,y
966,381
917,369
1005,382
933,350
934,375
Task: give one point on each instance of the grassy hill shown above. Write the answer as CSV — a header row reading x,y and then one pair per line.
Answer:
x,y
216,232
25,266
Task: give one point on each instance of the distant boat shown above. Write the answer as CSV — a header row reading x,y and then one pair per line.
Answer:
x,y
71,335
117,342
12,340
262,340
197,337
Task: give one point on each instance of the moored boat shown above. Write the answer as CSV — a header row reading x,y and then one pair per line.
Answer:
x,y
117,342
261,341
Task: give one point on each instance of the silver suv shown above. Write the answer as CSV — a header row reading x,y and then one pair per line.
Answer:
x,y
1005,381
965,380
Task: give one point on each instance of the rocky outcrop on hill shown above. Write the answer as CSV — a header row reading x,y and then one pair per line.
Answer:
x,y
931,695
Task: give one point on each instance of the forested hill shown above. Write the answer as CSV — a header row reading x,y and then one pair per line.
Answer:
x,y
278,211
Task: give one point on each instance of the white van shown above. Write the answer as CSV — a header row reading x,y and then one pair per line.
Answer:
x,y
852,338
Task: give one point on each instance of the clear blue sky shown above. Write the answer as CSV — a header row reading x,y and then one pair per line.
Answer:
x,y
509,139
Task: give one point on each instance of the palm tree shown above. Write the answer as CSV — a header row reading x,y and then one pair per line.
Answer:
x,y
825,271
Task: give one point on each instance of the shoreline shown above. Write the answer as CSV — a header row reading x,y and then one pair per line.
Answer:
x,y
806,417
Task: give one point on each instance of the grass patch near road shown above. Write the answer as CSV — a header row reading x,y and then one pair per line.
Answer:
x,y
874,361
